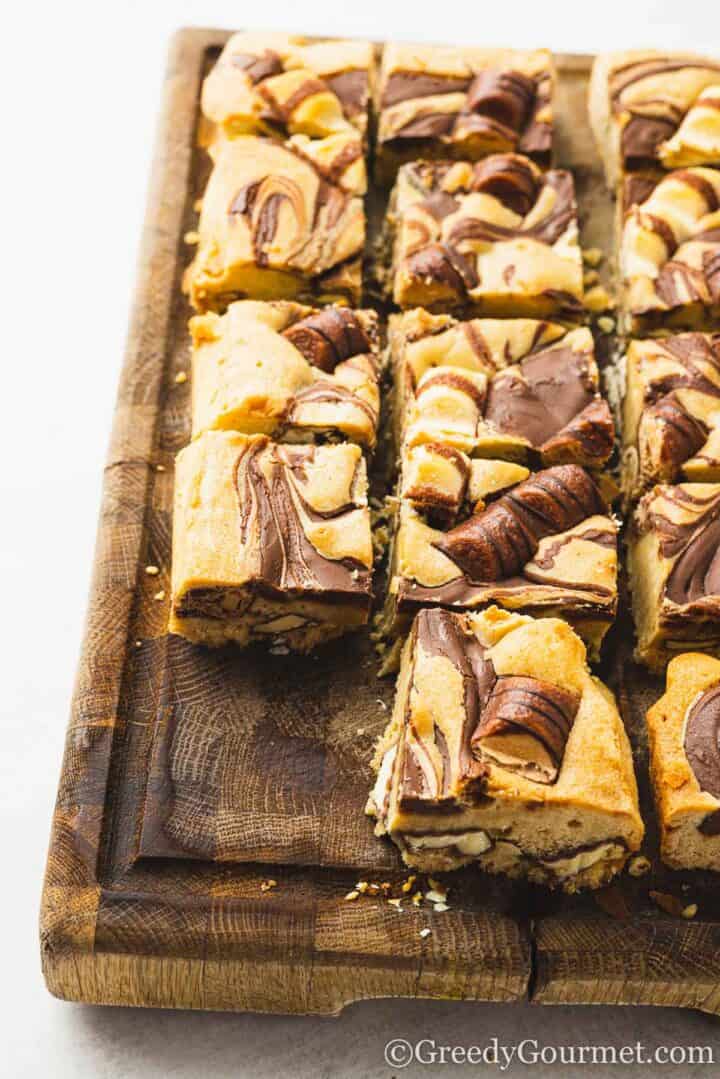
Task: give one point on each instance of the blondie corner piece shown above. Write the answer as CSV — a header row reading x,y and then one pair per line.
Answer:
x,y
669,250
503,750
542,543
684,734
280,221
269,542
652,109
281,85
671,412
439,101
296,373
674,569
497,238
514,389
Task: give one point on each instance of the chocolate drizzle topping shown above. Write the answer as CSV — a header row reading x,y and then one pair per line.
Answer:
x,y
496,543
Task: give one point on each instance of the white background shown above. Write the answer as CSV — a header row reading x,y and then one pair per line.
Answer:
x,y
80,94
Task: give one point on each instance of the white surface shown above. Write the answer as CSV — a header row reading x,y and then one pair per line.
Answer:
x,y
80,86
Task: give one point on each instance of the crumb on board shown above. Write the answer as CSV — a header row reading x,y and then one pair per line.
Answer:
x,y
160,595
425,932
268,885
593,256
597,299
181,377
152,571
672,905
639,865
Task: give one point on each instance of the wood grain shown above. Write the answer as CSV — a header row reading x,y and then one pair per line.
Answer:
x,y
190,778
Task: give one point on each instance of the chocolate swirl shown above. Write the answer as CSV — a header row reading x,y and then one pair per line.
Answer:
x,y
496,543
654,119
525,727
329,337
258,67
693,545
552,401
271,503
259,203
702,746
439,633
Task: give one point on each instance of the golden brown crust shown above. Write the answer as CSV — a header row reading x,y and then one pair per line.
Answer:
x,y
674,571
518,389
445,798
281,85
650,108
287,370
670,250
498,238
671,412
684,735
273,225
269,542
462,103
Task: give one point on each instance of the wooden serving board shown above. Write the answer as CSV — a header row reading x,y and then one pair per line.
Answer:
x,y
190,778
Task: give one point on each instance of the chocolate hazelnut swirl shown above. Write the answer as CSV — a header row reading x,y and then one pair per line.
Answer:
x,y
480,101
268,481
702,749
652,94
496,543
462,776
525,727
689,535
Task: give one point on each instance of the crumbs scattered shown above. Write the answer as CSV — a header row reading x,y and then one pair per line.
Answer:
x,y
160,595
639,866
598,299
425,932
181,377
152,571
191,237
434,893
268,885
672,905
592,256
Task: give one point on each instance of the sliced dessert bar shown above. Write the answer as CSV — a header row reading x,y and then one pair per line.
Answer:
x,y
269,542
498,237
671,420
289,371
655,108
281,85
674,568
684,734
543,543
519,390
454,102
279,221
669,250
503,750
